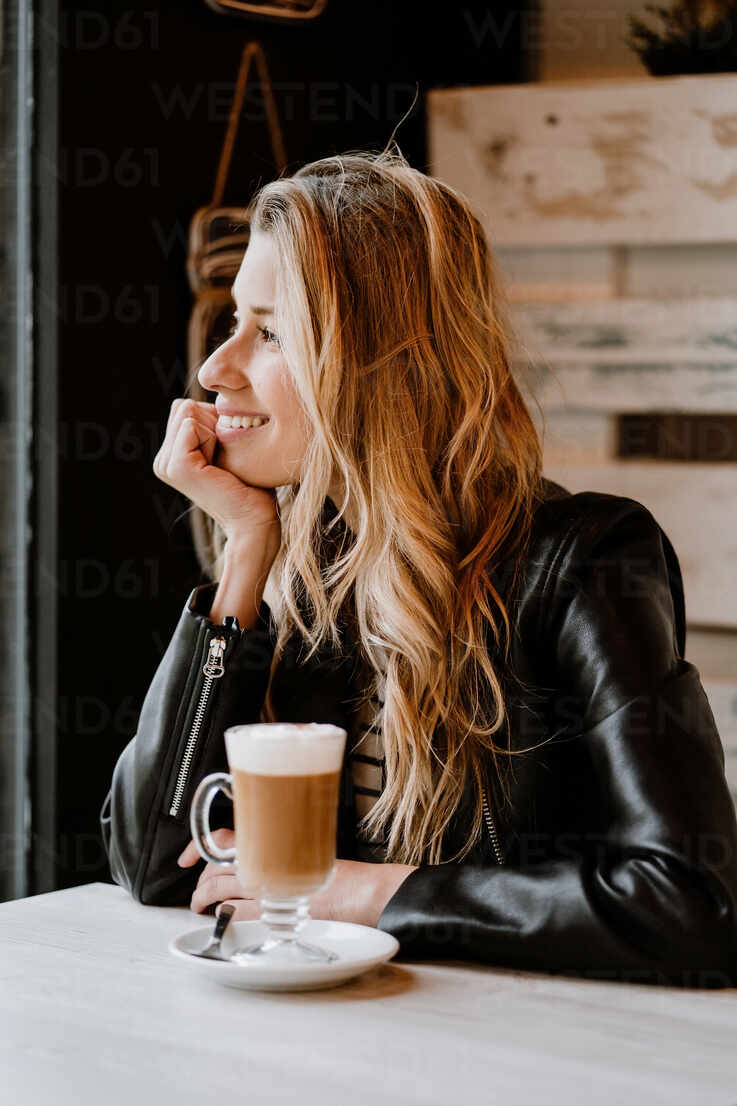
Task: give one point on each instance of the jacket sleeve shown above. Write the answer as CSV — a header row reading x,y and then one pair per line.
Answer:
x,y
179,740
651,894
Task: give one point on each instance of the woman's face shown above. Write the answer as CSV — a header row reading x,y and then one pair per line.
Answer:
x,y
250,375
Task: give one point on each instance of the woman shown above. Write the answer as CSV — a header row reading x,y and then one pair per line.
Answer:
x,y
548,788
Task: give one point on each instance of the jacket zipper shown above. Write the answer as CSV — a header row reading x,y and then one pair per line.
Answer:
x,y
213,670
493,836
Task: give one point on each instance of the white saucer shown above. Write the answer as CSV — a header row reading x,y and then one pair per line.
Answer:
x,y
359,948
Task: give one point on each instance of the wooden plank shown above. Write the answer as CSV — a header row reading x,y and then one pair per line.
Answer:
x,y
630,354
557,274
696,504
609,385
573,437
690,270
714,652
651,160
722,696
715,656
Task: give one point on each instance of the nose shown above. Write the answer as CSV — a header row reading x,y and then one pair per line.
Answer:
x,y
220,371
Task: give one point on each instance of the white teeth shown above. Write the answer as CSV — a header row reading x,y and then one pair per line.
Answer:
x,y
241,421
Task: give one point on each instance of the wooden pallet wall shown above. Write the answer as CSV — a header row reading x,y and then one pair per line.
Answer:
x,y
611,206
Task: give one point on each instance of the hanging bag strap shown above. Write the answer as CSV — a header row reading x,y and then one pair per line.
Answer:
x,y
250,50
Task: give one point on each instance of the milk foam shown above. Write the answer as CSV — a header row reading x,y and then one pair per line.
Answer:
x,y
285,749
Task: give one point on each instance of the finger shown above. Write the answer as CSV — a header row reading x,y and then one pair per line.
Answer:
x,y
223,837
208,438
210,870
174,464
188,856
180,408
192,451
216,889
246,910
161,459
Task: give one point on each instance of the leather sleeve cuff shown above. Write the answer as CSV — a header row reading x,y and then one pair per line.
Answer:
x,y
200,603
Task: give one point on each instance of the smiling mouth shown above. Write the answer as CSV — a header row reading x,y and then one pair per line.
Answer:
x,y
241,422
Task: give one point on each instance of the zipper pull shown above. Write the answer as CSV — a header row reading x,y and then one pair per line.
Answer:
x,y
214,666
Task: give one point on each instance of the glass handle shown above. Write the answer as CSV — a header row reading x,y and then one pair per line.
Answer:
x,y
199,818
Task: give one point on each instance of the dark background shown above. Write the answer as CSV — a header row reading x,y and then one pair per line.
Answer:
x,y
143,107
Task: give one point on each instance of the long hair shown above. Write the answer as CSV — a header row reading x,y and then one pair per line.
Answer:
x,y
393,325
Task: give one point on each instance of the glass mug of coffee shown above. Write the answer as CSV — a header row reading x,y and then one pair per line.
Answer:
x,y
284,784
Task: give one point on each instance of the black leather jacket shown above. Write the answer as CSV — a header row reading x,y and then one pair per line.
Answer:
x,y
617,858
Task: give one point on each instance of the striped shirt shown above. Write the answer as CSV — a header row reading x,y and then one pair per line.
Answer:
x,y
368,772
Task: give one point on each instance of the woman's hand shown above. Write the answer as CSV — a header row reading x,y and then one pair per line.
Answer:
x,y
357,892
185,461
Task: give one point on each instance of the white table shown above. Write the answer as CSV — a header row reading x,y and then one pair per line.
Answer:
x,y
96,1010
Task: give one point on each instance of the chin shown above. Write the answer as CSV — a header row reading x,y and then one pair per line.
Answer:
x,y
255,481
227,461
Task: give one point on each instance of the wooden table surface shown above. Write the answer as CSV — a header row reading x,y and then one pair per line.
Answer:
x,y
96,1010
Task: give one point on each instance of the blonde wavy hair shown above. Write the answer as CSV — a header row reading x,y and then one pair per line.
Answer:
x,y
392,322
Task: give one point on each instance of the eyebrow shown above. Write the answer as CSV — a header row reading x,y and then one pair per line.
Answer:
x,y
255,309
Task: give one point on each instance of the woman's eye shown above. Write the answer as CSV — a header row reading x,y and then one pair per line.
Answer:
x,y
268,335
